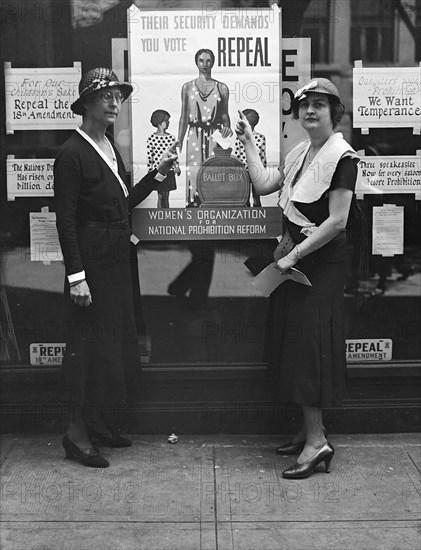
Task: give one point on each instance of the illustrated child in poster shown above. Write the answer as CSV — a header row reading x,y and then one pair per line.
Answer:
x,y
157,143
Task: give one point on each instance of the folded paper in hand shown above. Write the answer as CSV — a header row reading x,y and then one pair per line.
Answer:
x,y
270,278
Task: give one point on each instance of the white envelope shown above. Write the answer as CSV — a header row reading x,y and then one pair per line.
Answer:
x,y
270,278
225,143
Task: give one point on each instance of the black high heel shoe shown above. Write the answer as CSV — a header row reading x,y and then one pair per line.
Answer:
x,y
300,471
93,458
291,448
115,440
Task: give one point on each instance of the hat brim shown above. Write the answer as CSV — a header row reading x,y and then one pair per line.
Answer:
x,y
78,108
296,100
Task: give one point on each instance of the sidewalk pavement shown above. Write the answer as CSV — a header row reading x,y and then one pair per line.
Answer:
x,y
211,492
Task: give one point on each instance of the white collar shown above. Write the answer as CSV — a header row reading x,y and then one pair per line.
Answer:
x,y
113,165
316,179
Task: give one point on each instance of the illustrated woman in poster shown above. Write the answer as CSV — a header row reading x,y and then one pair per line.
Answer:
x,y
204,108
156,145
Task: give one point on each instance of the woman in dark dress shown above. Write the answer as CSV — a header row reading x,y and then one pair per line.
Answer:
x,y
92,209
307,342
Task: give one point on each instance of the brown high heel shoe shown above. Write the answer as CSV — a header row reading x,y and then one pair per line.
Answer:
x,y
300,471
93,458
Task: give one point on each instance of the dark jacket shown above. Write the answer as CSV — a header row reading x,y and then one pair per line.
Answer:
x,y
85,189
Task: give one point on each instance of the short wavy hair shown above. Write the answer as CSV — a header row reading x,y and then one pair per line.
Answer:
x,y
336,109
252,116
159,116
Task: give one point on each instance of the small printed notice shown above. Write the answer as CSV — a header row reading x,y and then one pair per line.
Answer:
x,y
45,246
387,230
369,350
47,354
40,99
386,97
29,178
389,174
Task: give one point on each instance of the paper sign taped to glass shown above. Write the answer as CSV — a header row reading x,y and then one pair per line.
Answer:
x,y
270,278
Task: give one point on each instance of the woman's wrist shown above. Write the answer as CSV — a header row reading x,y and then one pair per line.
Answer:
x,y
74,283
296,253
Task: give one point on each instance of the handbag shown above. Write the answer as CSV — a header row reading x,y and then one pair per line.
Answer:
x,y
263,256
286,244
270,253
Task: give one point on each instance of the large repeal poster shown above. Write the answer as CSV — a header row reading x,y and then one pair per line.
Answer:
x,y
192,72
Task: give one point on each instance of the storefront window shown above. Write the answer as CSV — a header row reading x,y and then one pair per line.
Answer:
x,y
391,282
222,322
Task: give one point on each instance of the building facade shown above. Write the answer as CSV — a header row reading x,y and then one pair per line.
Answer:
x,y
203,367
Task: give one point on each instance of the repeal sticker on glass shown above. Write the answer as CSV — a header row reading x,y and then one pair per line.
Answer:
x,y
369,350
47,354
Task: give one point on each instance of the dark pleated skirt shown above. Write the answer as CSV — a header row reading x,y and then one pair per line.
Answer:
x,y
305,341
102,351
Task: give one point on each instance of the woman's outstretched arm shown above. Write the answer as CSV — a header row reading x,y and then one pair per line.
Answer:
x,y
263,183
